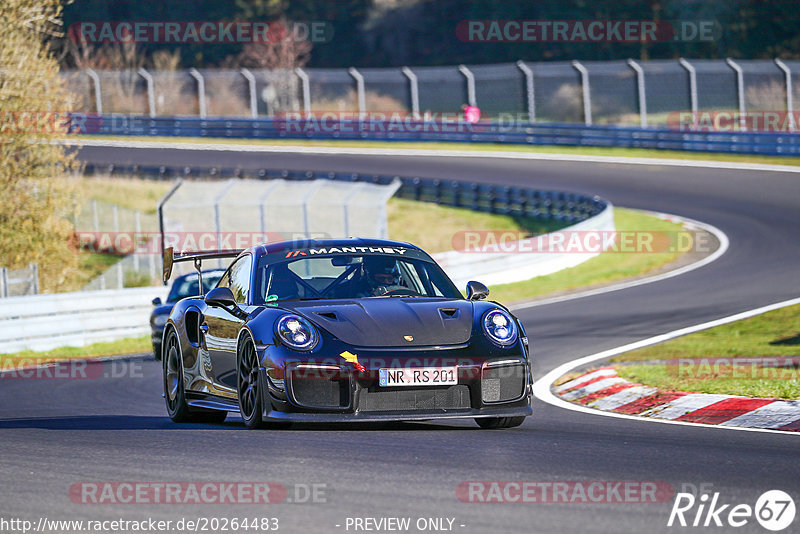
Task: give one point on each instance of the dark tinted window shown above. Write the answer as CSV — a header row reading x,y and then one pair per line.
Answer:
x,y
186,286
351,276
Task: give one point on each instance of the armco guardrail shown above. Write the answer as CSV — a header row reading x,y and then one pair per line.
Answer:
x,y
43,322
563,134
504,200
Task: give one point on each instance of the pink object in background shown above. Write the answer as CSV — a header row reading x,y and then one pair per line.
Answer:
x,y
472,114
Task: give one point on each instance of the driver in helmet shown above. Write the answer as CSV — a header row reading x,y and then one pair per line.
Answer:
x,y
380,275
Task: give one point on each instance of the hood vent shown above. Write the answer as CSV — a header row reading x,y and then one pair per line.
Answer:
x,y
450,313
331,316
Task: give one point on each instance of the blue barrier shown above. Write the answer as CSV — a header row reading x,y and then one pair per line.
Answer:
x,y
558,134
514,201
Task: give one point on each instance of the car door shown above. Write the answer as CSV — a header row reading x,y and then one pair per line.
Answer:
x,y
222,325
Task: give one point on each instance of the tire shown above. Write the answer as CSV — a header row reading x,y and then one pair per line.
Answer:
x,y
174,388
499,422
248,387
157,351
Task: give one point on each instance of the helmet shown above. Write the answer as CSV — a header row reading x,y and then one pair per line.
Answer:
x,y
382,270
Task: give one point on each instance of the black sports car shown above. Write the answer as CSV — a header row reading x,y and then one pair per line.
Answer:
x,y
183,286
342,330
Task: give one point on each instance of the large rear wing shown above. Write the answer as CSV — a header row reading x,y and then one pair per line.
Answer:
x,y
170,258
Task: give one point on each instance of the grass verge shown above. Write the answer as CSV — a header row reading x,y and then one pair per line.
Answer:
x,y
131,345
602,269
435,145
774,335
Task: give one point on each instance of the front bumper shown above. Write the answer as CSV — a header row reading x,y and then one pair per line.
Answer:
x,y
343,394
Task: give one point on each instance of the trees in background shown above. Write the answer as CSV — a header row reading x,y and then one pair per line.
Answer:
x,y
34,223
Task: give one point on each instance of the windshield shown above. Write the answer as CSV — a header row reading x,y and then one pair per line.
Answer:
x,y
186,286
351,276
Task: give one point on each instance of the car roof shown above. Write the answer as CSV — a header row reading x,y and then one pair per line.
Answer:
x,y
272,248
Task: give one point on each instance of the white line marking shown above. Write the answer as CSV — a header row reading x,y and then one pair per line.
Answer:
x,y
371,151
684,405
621,398
778,413
541,387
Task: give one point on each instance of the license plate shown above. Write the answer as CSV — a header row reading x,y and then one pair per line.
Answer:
x,y
418,376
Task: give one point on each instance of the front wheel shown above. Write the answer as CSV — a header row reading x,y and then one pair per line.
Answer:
x,y
247,383
174,388
499,422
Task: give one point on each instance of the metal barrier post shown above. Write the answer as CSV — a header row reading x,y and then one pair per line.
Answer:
x,y
306,84
151,97
587,97
789,97
362,100
413,87
251,83
692,88
3,282
470,84
160,211
740,92
642,94
98,98
201,90
529,90
34,267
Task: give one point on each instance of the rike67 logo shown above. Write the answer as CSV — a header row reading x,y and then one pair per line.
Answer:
x,y
774,510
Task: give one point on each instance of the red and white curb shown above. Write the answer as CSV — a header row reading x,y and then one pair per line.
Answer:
x,y
603,389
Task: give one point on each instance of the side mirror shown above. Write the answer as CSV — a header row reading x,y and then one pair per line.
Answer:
x,y
220,296
476,291
157,301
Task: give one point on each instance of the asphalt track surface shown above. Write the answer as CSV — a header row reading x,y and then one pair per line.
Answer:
x,y
54,433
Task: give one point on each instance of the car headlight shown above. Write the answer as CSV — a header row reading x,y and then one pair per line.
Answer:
x,y
160,320
500,328
297,333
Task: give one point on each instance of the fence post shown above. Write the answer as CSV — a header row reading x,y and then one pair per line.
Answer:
x,y
413,87
151,96
529,90
34,267
98,98
470,84
160,212
787,72
135,240
95,220
3,282
251,83
642,94
362,100
306,84
740,91
201,90
587,96
692,88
